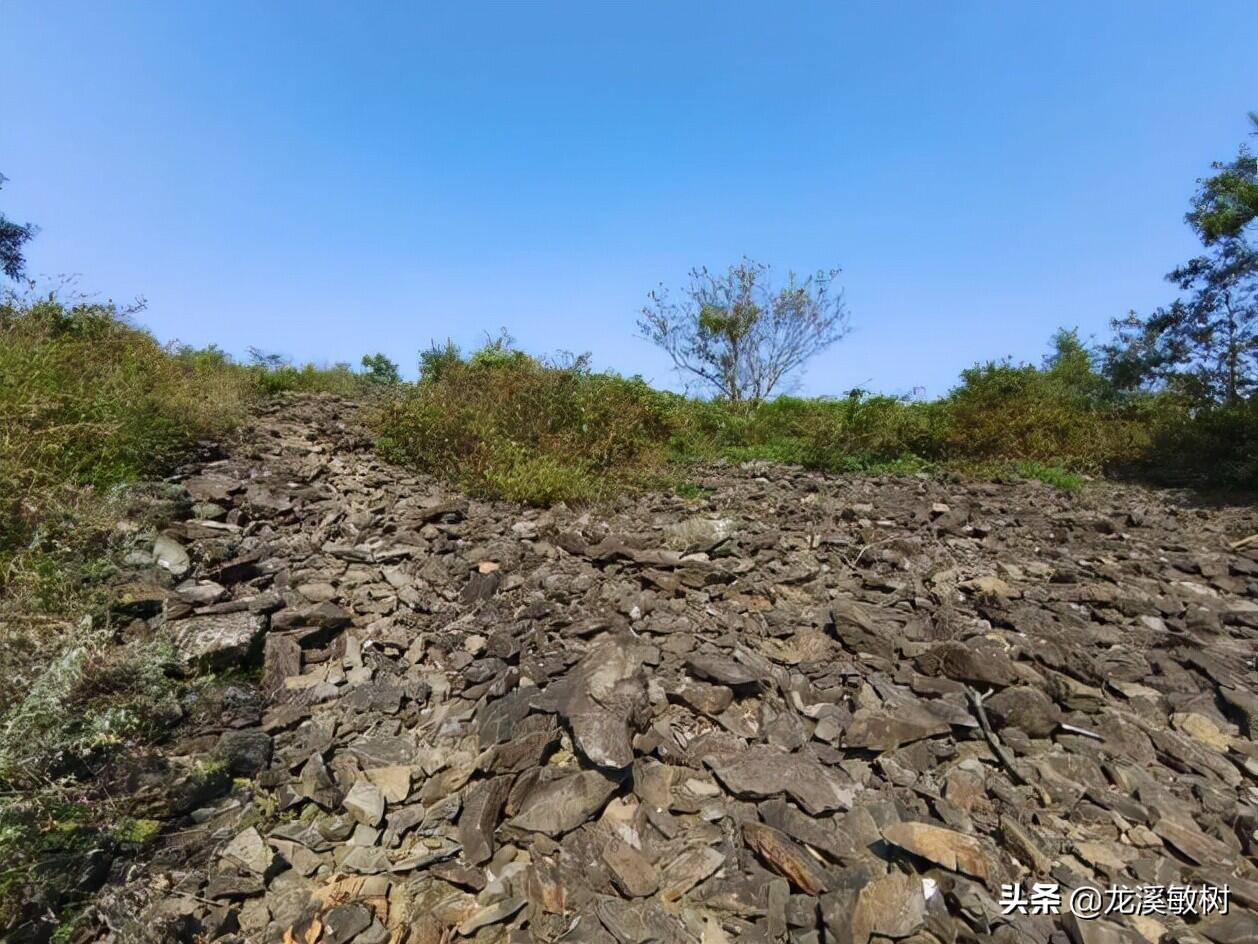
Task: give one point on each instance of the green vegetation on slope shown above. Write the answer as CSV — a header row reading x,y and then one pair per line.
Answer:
x,y
501,423
504,424
91,410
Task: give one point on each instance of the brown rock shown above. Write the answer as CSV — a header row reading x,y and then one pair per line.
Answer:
x,y
786,858
632,872
887,730
951,850
482,807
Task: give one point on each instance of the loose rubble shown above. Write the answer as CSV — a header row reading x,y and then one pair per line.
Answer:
x,y
795,709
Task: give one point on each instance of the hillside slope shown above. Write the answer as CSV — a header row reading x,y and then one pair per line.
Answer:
x,y
794,707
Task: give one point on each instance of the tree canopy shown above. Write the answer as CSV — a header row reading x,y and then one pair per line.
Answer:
x,y
1206,341
13,239
738,336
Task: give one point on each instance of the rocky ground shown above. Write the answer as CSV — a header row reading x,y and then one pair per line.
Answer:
x,y
796,708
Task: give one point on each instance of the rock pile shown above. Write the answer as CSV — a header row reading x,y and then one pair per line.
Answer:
x,y
796,709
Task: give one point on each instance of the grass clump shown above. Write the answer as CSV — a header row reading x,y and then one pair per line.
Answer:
x,y
1052,475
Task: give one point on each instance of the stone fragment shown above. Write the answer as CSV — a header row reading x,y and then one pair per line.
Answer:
x,y
951,850
558,806
249,851
786,858
245,753
886,730
394,782
640,922
482,808
963,662
491,914
762,771
170,556
315,783
606,691
1025,708
722,671
688,870
632,872
365,803
893,906
218,641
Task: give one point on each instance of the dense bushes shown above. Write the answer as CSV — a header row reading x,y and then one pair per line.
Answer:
x,y
502,423
87,402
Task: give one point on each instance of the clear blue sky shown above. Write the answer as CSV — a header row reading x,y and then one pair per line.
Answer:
x,y
330,179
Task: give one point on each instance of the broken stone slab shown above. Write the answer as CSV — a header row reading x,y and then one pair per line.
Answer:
x,y
558,806
632,872
365,803
1025,708
893,906
604,694
170,556
722,671
200,592
482,808
763,771
875,730
786,858
249,851
244,752
210,487
698,533
963,662
1193,843
826,836
315,783
491,914
946,848
640,922
688,870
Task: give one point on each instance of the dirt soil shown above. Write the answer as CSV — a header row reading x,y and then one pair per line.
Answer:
x,y
796,708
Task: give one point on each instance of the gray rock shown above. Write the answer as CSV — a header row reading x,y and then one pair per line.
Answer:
x,y
558,806
219,641
365,803
170,556
244,752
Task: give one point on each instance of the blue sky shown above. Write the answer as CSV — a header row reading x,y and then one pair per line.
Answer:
x,y
330,179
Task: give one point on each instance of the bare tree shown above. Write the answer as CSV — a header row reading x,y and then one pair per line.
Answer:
x,y
739,336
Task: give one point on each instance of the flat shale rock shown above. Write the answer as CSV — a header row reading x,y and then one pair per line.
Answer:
x,y
761,771
482,808
634,874
640,922
887,730
893,906
561,805
607,690
786,858
722,671
944,847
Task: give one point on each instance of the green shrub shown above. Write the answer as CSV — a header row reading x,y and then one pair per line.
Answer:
x,y
502,423
89,401
287,378
1202,444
